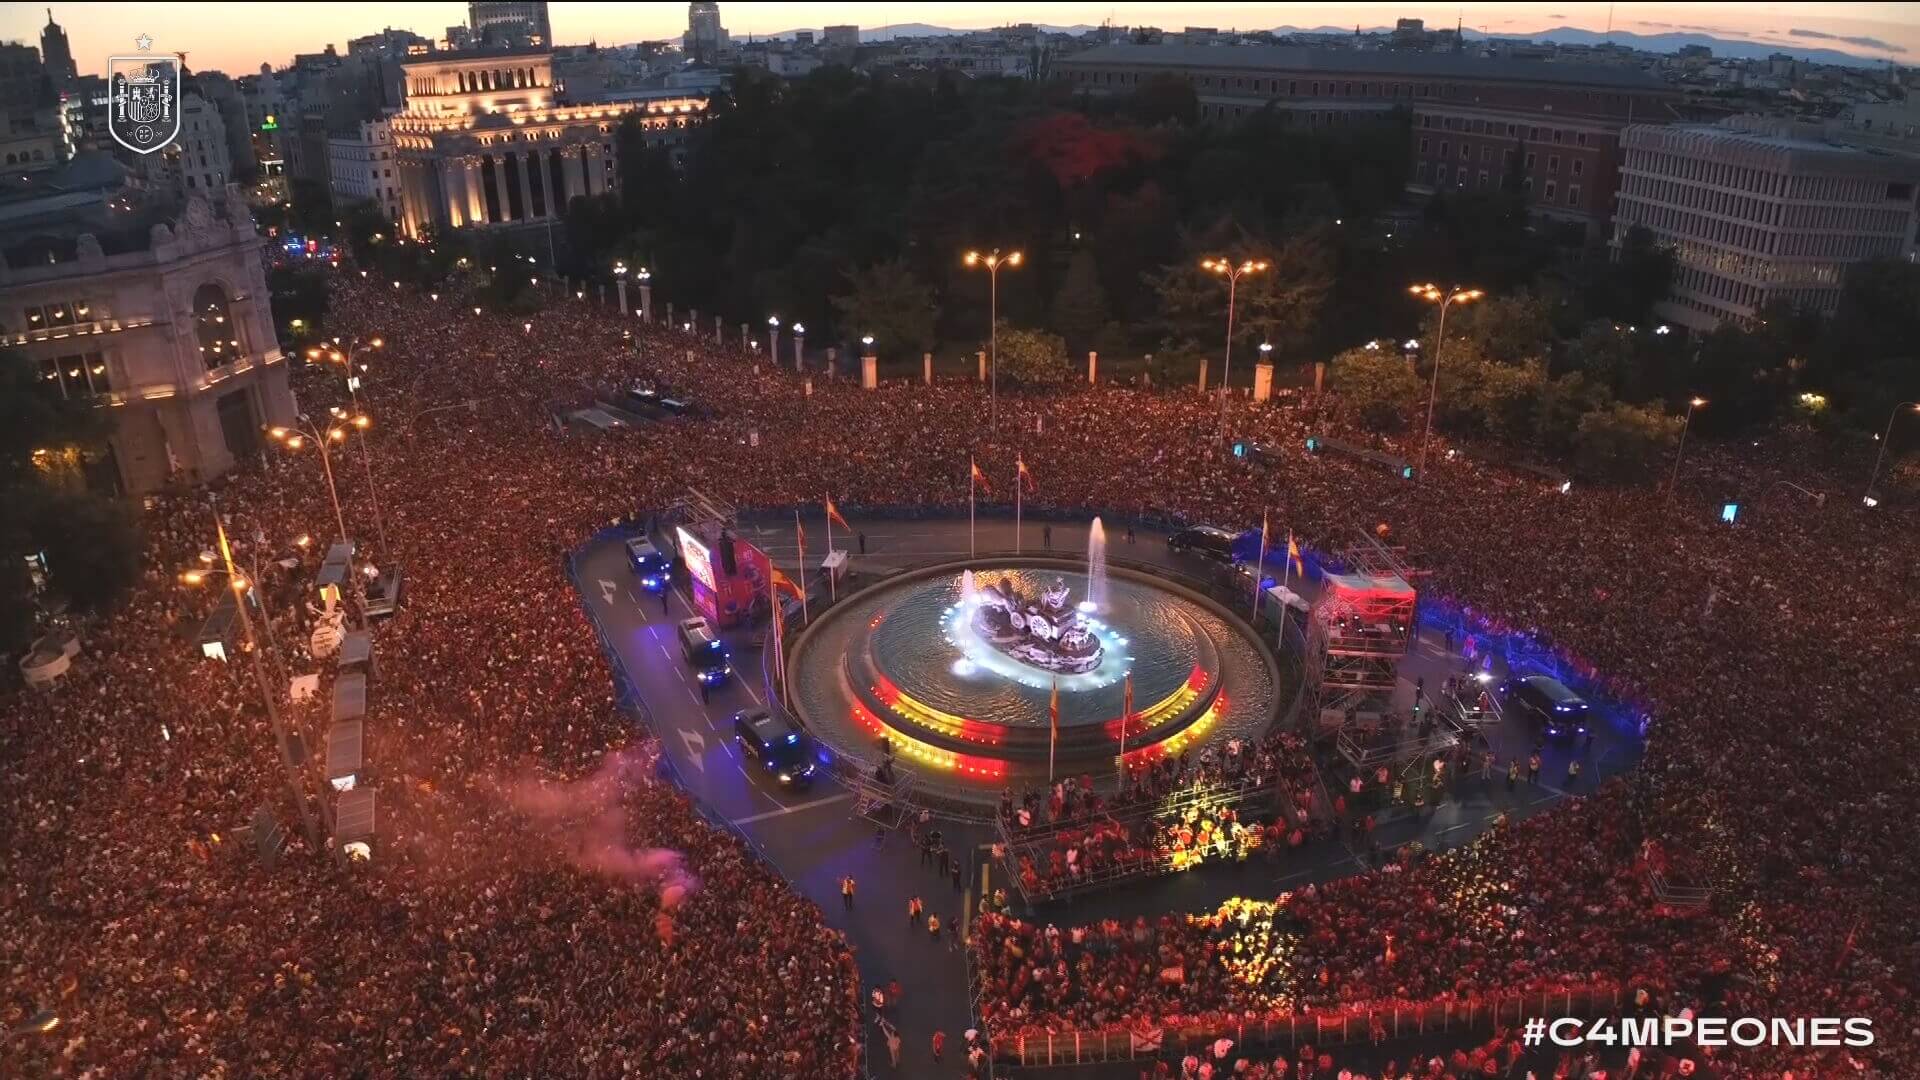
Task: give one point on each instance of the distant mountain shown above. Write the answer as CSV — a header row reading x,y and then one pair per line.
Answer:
x,y
1723,48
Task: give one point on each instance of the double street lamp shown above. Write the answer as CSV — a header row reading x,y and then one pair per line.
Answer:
x,y
1446,298
992,261
343,354
304,430
1233,274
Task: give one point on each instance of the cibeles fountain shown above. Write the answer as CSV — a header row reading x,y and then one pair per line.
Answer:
x,y
960,667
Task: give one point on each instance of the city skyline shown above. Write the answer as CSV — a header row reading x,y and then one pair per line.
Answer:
x,y
215,39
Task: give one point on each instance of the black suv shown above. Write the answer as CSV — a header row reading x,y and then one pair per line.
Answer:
x,y
1558,710
1205,541
776,745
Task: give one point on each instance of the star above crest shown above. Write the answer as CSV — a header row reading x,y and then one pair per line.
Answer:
x,y
144,42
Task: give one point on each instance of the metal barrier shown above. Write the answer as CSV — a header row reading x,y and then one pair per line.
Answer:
x,y
1346,1027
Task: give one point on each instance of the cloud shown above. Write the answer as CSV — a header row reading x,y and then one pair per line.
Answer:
x,y
1862,42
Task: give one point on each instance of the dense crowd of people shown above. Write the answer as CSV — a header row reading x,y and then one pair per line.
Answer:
x,y
1771,656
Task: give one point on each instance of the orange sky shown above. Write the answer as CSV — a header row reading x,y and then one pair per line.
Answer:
x,y
237,37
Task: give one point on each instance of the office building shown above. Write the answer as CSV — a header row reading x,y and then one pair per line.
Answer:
x,y
1758,209
510,25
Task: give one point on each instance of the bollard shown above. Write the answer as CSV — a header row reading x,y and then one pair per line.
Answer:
x,y
926,368
718,336
1319,375
1203,374
620,286
743,335
1093,367
982,354
806,387
869,372
646,303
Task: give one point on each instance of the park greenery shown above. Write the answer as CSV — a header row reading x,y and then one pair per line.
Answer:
x,y
845,201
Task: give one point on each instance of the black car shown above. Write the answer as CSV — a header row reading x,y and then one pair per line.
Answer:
x,y
707,655
1558,710
780,749
1205,541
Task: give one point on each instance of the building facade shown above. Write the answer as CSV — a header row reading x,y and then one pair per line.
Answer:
x,y
361,168
705,38
1758,209
175,337
515,24
1479,123
485,141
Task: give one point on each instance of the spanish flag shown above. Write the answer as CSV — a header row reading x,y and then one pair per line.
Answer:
x,y
782,581
1293,555
1053,727
833,515
1024,475
978,477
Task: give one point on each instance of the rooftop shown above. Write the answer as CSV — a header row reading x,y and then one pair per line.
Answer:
x,y
1342,61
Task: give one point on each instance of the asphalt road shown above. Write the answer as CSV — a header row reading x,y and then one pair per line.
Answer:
x,y
814,838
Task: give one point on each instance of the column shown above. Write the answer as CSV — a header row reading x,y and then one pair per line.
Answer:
x,y
592,167
1263,380
526,184
453,196
870,372
476,195
576,173
500,184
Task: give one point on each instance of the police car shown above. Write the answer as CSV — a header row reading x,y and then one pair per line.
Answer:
x,y
781,749
706,654
1547,701
650,565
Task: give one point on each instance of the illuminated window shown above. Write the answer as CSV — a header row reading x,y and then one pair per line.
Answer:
x,y
214,327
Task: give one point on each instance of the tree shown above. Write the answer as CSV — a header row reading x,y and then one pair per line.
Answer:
x,y
1625,288
887,301
1622,442
1561,405
1162,99
1479,396
1508,329
1280,304
1032,357
1376,388
91,542
1080,307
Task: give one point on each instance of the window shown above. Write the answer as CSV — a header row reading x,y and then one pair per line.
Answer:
x,y
1486,154
1482,182
1466,152
1578,166
1549,196
214,327
1423,146
1573,195
1529,165
1553,164
1581,138
1444,147
78,376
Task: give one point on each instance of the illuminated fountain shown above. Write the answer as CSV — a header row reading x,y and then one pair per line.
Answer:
x,y
1045,632
1096,568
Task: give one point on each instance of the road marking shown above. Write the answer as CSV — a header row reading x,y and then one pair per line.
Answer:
x,y
696,747
606,591
795,808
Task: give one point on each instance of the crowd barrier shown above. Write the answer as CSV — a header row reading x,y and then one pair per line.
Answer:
x,y
1321,1029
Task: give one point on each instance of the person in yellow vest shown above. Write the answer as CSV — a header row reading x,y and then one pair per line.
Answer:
x,y
933,927
846,892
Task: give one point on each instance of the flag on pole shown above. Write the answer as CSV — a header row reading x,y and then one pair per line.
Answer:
x,y
1053,727
226,550
800,534
1126,717
977,476
1293,556
833,515
1024,475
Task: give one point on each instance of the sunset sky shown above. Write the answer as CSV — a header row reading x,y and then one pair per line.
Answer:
x,y
238,37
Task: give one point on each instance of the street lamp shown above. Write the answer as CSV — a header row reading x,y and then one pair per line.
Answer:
x,y
1233,274
1446,298
344,356
1869,498
295,787
992,261
1692,404
297,436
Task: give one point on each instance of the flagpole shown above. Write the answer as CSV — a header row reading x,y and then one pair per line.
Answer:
x,y
1259,566
833,592
1126,714
971,467
1053,727
800,537
1018,469
1287,578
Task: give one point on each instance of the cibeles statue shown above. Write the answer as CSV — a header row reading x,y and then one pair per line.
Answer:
x,y
1046,632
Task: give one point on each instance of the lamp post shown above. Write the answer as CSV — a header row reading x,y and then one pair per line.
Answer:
x,y
993,261
620,288
1885,438
645,278
239,583
296,437
361,422
799,347
1233,274
773,339
1672,482
1446,298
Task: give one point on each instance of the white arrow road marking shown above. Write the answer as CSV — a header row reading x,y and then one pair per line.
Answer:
x,y
696,747
606,591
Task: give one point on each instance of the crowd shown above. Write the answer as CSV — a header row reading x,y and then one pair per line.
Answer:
x,y
134,908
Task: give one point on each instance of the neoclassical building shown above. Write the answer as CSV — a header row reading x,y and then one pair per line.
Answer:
x,y
487,139
166,326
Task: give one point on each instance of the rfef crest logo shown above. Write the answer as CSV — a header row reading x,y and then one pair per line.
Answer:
x,y
143,99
